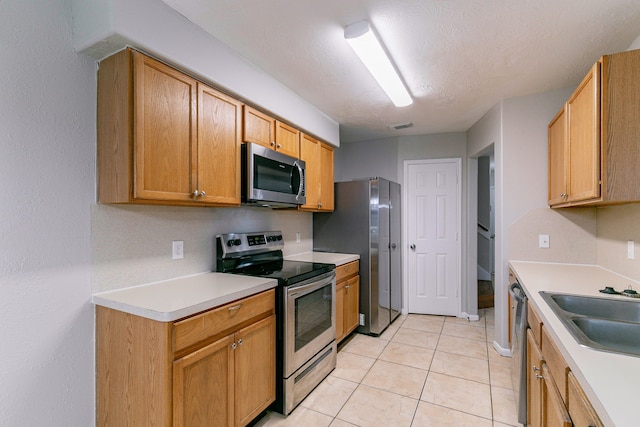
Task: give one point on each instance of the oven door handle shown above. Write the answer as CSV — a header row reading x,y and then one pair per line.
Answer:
x,y
302,290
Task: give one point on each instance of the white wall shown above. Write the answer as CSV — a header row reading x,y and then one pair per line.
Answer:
x,y
102,27
47,140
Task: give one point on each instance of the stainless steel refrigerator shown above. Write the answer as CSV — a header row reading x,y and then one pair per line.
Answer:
x,y
366,221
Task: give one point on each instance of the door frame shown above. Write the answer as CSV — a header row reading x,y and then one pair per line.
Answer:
x,y
405,239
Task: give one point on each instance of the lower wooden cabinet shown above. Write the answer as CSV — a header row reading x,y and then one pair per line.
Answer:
x,y
347,299
216,368
228,382
580,409
554,396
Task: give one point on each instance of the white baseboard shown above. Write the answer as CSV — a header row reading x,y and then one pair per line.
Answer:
x,y
501,350
470,317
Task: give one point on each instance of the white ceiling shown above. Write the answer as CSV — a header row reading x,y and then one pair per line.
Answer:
x,y
458,57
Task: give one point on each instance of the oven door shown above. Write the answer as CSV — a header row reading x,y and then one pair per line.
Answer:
x,y
309,321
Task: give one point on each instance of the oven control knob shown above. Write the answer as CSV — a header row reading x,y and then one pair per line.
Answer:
x,y
279,237
230,243
237,242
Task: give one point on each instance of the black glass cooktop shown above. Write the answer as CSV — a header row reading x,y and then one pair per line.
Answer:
x,y
286,272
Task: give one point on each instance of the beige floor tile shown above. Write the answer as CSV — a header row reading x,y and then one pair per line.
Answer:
x,y
456,365
299,417
491,333
416,338
457,393
465,331
429,415
400,320
462,346
504,406
496,357
500,374
365,345
424,323
496,424
399,379
462,321
339,423
409,355
330,396
371,407
389,332
352,367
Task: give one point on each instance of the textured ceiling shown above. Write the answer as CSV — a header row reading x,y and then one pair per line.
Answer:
x,y
458,57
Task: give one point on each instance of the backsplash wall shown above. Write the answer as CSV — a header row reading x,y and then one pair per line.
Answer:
x,y
617,225
131,244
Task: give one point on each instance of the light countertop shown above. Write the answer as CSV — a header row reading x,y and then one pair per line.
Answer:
x,y
173,299
326,257
611,381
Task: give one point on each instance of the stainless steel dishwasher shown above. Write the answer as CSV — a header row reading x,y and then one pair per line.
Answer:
x,y
519,350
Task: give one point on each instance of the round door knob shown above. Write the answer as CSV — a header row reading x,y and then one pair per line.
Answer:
x,y
393,246
413,247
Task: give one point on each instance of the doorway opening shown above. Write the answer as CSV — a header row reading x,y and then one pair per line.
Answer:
x,y
486,231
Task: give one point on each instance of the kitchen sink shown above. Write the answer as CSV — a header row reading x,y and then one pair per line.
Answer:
x,y
605,308
605,324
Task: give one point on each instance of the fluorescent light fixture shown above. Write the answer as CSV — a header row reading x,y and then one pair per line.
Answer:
x,y
363,40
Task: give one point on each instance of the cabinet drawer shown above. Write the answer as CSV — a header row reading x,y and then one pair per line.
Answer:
x,y
347,270
556,363
580,409
534,323
225,318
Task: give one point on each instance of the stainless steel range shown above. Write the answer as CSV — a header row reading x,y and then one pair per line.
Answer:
x,y
305,310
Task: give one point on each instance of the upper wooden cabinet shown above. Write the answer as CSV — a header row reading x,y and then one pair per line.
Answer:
x,y
593,147
318,158
164,137
262,129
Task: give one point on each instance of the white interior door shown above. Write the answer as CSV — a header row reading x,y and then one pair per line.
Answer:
x,y
433,247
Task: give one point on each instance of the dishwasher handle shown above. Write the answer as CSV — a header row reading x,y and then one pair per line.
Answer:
x,y
520,297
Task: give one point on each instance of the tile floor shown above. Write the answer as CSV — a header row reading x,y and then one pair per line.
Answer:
x,y
422,371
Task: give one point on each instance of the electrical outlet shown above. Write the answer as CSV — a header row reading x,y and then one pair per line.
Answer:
x,y
631,249
543,240
361,319
178,249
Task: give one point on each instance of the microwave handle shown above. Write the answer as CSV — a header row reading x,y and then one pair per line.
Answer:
x,y
302,183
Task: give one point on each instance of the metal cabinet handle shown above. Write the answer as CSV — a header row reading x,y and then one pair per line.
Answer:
x,y
273,144
413,247
235,307
279,146
195,193
202,194
240,341
347,286
233,346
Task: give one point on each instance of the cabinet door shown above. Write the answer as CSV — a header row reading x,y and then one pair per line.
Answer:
x,y
580,409
534,381
255,370
219,139
310,153
287,140
351,304
203,386
558,156
554,413
326,177
340,308
164,131
584,138
258,128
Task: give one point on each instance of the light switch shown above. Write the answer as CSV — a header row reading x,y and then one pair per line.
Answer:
x,y
543,240
631,250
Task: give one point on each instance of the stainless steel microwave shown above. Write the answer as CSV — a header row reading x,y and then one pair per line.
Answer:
x,y
271,179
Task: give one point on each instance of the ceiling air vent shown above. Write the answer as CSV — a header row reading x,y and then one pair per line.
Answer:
x,y
401,126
